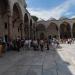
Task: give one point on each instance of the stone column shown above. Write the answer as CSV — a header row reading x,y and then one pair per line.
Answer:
x,y
29,30
10,34
71,30
59,33
21,29
34,30
25,30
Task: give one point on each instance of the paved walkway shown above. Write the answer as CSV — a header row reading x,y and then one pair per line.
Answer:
x,y
53,62
67,53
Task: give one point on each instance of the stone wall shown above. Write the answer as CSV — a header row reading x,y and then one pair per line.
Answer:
x,y
12,18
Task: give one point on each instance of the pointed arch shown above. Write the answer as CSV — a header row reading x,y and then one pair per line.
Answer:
x,y
65,30
41,31
52,30
73,30
26,26
17,21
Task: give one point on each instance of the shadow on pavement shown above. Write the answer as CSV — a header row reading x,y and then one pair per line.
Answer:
x,y
36,63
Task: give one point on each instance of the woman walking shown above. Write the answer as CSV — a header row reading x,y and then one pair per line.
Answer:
x,y
41,45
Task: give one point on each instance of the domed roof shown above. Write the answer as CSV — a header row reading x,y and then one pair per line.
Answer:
x,y
52,18
73,18
63,18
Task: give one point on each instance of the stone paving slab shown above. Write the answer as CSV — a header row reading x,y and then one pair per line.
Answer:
x,y
35,70
53,62
67,54
50,71
17,70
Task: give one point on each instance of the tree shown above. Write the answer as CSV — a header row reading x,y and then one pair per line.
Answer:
x,y
35,18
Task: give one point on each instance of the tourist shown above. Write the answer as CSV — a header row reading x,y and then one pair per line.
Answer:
x,y
29,43
26,44
57,42
22,42
41,45
35,44
69,41
18,43
47,45
38,40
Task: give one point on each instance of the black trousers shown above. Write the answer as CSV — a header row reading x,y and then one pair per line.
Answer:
x,y
41,46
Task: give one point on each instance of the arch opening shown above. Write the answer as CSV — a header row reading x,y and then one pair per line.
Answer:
x,y
26,26
17,21
31,30
52,30
65,30
40,31
73,30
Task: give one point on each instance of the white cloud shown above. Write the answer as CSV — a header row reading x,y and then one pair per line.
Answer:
x,y
56,12
73,16
68,13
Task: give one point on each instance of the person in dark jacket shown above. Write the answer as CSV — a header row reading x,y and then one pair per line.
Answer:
x,y
18,43
47,45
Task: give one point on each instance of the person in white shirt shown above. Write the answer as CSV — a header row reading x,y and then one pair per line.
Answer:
x,y
26,44
35,43
41,44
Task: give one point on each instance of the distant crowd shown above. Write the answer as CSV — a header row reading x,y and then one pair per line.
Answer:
x,y
68,41
35,44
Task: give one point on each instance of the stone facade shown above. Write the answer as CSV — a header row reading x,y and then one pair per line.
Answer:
x,y
63,29
13,19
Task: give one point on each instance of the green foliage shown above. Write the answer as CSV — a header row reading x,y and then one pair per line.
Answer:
x,y
35,18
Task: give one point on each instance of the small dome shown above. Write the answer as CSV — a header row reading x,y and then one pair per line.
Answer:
x,y
52,19
73,18
63,18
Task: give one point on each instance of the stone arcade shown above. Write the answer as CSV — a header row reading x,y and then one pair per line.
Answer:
x,y
15,19
62,29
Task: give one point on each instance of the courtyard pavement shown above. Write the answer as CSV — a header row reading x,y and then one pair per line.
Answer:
x,y
59,61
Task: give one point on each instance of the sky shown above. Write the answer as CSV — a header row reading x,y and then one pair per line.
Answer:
x,y
46,9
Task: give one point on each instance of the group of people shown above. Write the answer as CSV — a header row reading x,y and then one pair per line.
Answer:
x,y
36,44
10,45
40,44
68,41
